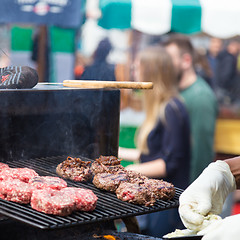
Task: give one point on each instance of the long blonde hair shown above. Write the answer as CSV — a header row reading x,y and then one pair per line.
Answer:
x,y
155,65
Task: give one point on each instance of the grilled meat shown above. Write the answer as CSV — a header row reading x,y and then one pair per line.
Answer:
x,y
109,181
108,164
135,193
108,160
160,189
74,169
135,177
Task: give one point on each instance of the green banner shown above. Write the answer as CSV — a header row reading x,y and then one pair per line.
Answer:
x,y
21,38
186,16
115,14
62,39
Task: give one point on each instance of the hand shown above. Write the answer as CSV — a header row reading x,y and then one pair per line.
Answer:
x,y
133,167
206,195
128,154
225,229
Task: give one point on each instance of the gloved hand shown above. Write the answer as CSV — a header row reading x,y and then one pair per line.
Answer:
x,y
225,229
206,195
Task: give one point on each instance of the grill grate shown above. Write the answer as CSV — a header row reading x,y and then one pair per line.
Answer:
x,y
109,207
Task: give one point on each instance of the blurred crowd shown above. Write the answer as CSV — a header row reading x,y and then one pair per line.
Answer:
x,y
219,66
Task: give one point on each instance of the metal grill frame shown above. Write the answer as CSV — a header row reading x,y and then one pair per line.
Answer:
x,y
109,207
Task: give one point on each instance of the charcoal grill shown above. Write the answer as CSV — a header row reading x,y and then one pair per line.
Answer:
x,y
39,128
109,207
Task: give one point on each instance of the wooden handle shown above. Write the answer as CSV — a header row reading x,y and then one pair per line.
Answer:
x,y
107,84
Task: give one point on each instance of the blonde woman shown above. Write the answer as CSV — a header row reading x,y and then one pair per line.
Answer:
x,y
163,140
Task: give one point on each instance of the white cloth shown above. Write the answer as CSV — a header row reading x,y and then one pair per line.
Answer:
x,y
225,229
206,195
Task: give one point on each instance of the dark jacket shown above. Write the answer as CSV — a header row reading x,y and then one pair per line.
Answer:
x,y
226,70
100,69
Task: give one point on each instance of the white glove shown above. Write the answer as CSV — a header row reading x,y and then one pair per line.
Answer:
x,y
206,195
225,229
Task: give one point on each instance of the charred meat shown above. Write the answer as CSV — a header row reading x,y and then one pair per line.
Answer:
x,y
160,189
74,169
135,193
108,164
109,181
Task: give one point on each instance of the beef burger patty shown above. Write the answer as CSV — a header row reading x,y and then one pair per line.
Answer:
x,y
135,193
74,169
85,199
56,202
41,182
109,181
109,164
16,191
23,174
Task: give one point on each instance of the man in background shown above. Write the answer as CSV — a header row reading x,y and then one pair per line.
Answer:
x,y
200,101
226,74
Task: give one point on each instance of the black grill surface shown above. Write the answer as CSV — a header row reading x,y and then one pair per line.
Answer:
x,y
109,207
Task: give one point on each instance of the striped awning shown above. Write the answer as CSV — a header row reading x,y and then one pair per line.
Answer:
x,y
219,18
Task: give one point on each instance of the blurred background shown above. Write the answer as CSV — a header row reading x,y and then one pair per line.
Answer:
x,y
59,38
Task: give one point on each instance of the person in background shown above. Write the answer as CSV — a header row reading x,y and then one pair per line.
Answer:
x,y
207,194
215,47
163,140
234,49
202,67
200,102
226,72
100,69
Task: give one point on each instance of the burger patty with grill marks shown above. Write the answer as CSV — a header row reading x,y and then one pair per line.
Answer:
x,y
74,169
145,191
109,181
135,193
161,189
